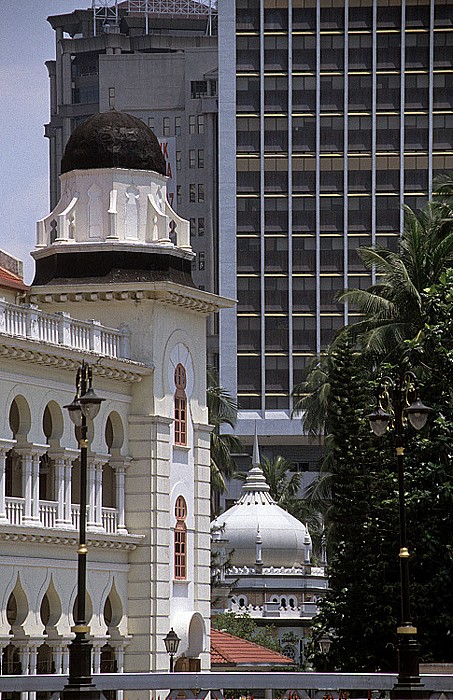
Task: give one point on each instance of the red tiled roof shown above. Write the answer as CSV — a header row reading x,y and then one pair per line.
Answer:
x,y
228,650
11,281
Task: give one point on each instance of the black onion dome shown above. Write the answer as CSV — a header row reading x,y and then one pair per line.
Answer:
x,y
113,140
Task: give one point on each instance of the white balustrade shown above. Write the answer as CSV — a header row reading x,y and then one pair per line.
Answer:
x,y
109,520
75,513
61,329
15,508
48,513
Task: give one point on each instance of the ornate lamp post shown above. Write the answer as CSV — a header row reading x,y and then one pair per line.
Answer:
x,y
85,406
171,642
397,402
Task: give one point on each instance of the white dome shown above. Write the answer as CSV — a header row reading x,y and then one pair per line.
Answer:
x,y
282,539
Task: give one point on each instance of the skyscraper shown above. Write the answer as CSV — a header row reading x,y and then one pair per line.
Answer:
x,y
333,114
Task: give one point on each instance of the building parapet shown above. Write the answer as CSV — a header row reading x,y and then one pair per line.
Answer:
x,y
27,321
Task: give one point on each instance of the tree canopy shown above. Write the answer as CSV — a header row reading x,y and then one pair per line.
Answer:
x,y
407,322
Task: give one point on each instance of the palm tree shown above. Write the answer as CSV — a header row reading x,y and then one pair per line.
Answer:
x,y
393,308
222,410
283,484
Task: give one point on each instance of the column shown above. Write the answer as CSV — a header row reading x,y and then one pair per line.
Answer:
x,y
5,446
62,475
96,658
24,653
119,656
91,493
65,659
119,465
32,667
98,492
27,487
30,481
35,456
57,652
59,488
68,491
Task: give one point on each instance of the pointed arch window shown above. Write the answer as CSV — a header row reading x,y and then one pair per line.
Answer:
x,y
180,539
180,406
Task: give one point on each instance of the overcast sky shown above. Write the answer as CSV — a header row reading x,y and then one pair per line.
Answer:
x,y
26,42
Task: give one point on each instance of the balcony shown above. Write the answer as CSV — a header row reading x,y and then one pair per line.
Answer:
x,y
60,329
15,511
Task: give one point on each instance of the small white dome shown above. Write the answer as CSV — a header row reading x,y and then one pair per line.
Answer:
x,y
285,541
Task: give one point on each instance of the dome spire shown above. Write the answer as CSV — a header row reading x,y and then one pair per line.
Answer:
x,y
256,481
256,460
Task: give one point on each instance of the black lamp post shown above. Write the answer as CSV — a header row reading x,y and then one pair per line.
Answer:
x,y
324,647
85,406
171,642
397,402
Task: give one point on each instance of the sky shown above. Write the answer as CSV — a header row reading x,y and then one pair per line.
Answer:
x,y
26,41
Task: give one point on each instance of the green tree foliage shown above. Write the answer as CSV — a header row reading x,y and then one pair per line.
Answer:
x,y
408,321
393,307
430,478
222,411
243,626
360,520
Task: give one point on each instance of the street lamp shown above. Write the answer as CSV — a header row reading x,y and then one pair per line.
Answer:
x,y
85,406
171,642
397,403
324,644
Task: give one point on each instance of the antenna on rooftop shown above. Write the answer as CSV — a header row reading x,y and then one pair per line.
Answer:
x,y
105,16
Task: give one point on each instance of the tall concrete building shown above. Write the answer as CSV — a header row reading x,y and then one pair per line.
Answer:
x,y
159,66
332,115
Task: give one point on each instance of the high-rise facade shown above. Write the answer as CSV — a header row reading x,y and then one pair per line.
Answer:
x,y
333,114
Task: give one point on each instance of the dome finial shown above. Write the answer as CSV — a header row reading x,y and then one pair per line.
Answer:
x,y
258,551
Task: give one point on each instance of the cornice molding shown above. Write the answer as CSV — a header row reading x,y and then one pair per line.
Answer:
x,y
166,292
59,357
68,538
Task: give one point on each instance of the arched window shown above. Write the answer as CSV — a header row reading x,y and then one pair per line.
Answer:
x,y
180,539
180,406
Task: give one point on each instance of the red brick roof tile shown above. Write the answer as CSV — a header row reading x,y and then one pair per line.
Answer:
x,y
229,650
9,280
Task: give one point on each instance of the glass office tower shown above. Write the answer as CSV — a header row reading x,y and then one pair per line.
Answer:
x,y
333,114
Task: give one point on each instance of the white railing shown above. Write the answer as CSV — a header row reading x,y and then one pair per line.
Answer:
x,y
47,513
287,684
109,520
308,608
61,329
15,510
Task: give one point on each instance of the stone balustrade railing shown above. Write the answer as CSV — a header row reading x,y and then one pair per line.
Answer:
x,y
306,608
15,511
61,329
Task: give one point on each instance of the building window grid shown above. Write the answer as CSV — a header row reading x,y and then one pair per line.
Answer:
x,y
415,192
166,126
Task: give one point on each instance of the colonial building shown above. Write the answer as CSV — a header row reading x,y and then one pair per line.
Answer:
x,y
112,287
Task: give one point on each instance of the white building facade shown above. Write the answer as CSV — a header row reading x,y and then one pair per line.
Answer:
x,y
113,288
